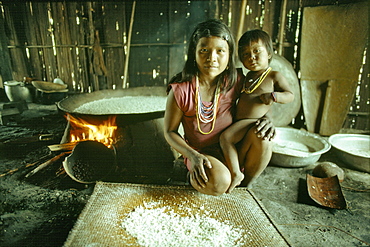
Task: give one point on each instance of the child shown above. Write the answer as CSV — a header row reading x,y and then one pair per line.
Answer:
x,y
262,87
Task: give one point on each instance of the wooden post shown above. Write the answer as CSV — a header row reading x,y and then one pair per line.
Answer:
x,y
125,73
5,65
282,27
94,83
241,19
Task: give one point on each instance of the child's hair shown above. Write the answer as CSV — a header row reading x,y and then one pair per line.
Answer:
x,y
210,28
254,36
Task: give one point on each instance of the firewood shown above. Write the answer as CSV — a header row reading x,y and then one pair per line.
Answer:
x,y
62,147
25,166
45,164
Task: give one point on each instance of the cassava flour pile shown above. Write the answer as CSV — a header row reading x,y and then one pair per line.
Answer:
x,y
291,148
359,152
124,105
162,226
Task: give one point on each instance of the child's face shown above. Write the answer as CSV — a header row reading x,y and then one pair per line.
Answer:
x,y
212,56
255,57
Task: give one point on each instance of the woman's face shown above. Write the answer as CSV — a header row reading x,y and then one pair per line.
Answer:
x,y
255,57
212,56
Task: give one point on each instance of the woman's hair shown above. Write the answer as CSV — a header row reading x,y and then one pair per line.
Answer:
x,y
254,36
210,28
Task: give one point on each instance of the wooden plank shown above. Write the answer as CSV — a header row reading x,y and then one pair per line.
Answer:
x,y
313,95
44,37
17,55
324,51
114,33
82,81
61,36
336,108
31,31
268,18
73,15
5,65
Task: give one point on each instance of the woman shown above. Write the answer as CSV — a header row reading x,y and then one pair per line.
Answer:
x,y
202,98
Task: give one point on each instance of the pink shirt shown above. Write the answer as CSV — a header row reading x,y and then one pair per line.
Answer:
x,y
184,94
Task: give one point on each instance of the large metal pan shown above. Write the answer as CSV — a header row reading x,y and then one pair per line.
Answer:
x,y
70,104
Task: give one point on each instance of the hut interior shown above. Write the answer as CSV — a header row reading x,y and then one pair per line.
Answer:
x,y
58,55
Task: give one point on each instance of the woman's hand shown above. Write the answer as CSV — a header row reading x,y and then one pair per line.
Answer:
x,y
197,171
265,129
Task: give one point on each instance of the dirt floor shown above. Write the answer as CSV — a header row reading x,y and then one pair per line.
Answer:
x,y
41,210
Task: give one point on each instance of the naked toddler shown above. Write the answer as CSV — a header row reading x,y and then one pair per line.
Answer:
x,y
262,87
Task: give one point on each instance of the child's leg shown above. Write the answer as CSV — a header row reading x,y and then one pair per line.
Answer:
x,y
228,139
232,135
254,155
237,130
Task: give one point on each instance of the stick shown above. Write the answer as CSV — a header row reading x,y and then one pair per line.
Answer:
x,y
45,164
282,27
26,166
60,147
125,73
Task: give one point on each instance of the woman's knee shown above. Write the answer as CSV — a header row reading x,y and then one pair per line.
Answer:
x,y
219,185
219,180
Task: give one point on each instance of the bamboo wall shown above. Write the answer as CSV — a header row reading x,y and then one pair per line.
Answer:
x,y
86,42
89,45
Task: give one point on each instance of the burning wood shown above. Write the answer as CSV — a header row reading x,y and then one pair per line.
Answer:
x,y
81,130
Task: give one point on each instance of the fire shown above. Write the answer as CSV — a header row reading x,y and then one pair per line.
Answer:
x,y
81,130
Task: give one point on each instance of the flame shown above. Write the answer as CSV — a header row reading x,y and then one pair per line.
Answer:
x,y
81,130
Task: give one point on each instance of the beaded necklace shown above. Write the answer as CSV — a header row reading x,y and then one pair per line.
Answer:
x,y
206,114
256,82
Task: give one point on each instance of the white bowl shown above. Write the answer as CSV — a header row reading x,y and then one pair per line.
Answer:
x,y
297,148
353,149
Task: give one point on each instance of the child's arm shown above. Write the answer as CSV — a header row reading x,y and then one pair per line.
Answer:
x,y
282,93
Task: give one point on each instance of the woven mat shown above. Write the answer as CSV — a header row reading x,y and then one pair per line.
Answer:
x,y
100,222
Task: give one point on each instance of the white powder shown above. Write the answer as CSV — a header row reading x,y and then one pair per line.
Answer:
x,y
291,148
124,105
359,152
162,226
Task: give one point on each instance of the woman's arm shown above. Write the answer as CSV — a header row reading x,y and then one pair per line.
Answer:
x,y
172,120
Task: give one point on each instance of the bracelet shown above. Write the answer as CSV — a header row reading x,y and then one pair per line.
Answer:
x,y
273,95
